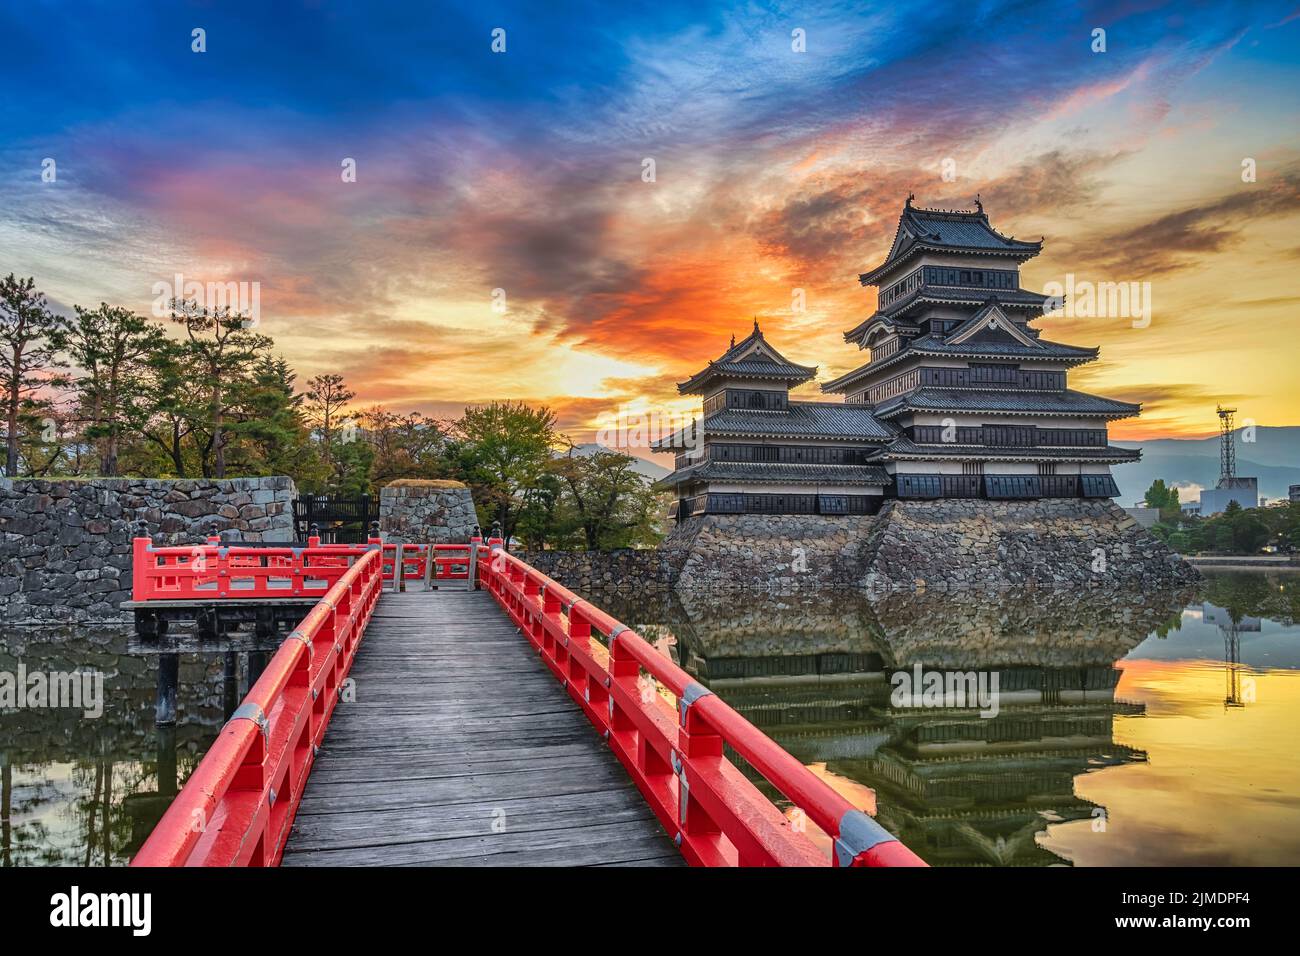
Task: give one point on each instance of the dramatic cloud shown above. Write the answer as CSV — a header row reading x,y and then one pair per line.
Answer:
x,y
778,177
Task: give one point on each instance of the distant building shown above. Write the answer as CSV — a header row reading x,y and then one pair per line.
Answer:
x,y
1191,507
1294,492
1244,491
1144,516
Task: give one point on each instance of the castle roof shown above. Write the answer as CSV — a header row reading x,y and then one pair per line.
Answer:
x,y
904,448
778,473
1067,402
947,230
830,420
753,358
930,346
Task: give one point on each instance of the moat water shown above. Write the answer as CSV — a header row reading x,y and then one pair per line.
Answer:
x,y
1144,730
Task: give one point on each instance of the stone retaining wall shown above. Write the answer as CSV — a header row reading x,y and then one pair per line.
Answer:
x,y
419,512
910,545
587,571
65,545
769,552
65,550
1052,542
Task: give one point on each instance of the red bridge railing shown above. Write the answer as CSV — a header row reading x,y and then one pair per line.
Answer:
x,y
238,805
217,570
717,815
450,561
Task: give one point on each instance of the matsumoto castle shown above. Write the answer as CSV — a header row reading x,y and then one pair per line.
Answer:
x,y
959,397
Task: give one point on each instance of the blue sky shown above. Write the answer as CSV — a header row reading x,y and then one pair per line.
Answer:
x,y
775,170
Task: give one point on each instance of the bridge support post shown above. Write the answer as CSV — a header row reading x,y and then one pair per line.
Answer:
x,y
167,784
256,664
230,684
168,679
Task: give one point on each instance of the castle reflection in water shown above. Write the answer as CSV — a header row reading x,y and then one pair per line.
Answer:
x,y
813,671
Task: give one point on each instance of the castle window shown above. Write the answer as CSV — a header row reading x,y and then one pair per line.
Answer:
x,y
1099,486
919,486
1014,486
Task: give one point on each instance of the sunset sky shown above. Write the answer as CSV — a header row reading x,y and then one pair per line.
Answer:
x,y
775,170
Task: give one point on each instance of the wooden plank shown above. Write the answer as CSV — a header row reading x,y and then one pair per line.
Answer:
x,y
462,749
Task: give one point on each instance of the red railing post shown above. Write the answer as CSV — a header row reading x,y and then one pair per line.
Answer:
x,y
697,745
140,577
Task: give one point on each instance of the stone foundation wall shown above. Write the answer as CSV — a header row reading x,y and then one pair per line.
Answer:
x,y
909,545
587,571
418,512
65,545
768,552
1052,543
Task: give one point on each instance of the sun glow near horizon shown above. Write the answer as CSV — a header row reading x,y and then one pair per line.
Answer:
x,y
642,201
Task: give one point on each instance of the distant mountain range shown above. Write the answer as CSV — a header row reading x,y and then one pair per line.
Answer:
x,y
1193,463
1187,463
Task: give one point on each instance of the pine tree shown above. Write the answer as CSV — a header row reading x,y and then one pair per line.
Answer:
x,y
223,350
113,347
29,354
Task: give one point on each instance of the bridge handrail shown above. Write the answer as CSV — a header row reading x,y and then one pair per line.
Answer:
x,y
718,816
451,561
237,807
211,570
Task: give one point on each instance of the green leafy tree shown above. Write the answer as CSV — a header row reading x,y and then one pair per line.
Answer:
x,y
1166,500
548,520
353,461
29,354
614,504
174,403
503,450
50,440
269,435
1249,534
405,446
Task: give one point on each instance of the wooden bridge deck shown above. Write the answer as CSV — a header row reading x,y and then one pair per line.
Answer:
x,y
462,749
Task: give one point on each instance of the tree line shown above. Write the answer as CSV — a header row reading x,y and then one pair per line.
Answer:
x,y
1235,530
201,393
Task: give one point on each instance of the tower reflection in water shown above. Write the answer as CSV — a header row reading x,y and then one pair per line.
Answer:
x,y
815,672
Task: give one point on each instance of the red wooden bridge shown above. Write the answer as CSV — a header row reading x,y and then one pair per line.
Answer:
x,y
490,717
